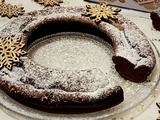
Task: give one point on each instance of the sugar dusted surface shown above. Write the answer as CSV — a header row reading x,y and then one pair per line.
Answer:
x,y
129,92
130,43
133,39
61,78
69,51
128,87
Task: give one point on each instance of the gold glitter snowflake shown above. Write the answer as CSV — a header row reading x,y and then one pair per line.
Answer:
x,y
49,2
10,51
11,10
103,12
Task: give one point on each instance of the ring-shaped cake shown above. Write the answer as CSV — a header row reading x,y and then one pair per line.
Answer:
x,y
78,91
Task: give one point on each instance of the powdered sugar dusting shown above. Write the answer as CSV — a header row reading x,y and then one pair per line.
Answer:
x,y
72,51
103,81
130,44
131,39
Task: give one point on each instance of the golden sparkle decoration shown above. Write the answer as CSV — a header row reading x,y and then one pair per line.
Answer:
x,y
10,51
11,10
49,2
104,12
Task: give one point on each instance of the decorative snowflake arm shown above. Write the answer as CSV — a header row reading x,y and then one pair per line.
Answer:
x,y
17,10
10,51
2,1
11,10
103,12
49,2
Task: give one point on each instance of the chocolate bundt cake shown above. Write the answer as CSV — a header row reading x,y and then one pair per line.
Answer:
x,y
155,16
78,91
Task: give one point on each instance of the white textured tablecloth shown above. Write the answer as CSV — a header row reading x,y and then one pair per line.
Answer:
x,y
142,20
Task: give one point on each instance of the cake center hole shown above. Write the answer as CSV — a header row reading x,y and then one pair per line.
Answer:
x,y
71,51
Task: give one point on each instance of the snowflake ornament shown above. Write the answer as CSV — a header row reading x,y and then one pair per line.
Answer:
x,y
11,10
49,2
10,51
103,12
